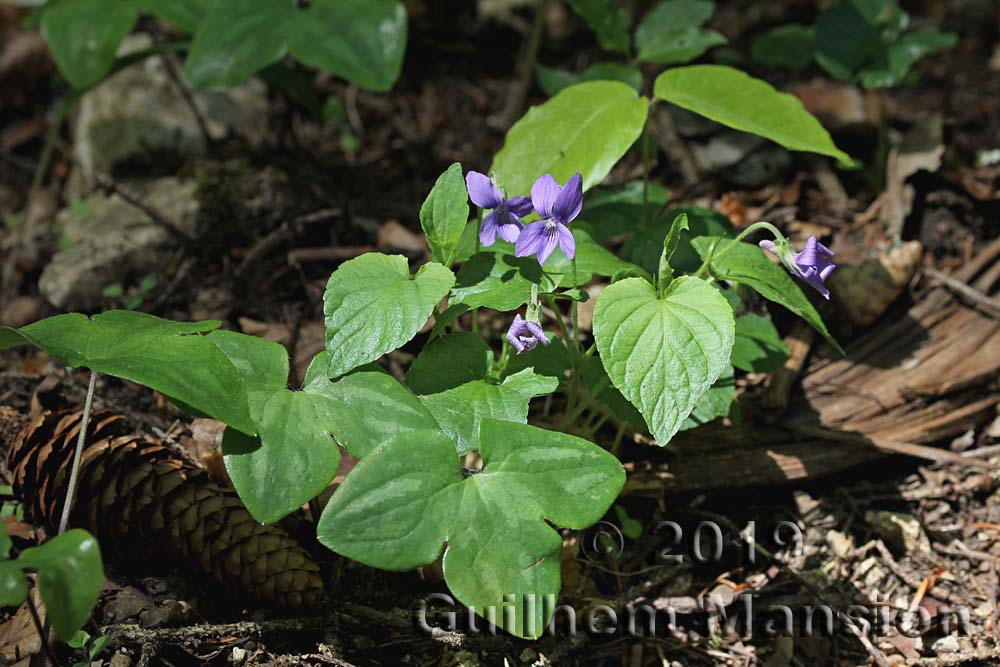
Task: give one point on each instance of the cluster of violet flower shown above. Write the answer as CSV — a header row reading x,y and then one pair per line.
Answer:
x,y
557,206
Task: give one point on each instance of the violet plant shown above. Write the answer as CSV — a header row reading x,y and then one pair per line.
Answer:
x,y
458,460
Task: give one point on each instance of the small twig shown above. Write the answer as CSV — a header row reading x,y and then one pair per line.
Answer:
x,y
525,72
40,627
989,305
77,455
170,63
111,188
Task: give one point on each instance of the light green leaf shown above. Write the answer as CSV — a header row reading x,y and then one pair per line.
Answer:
x,y
362,41
496,279
373,305
445,213
746,264
293,457
587,128
459,411
758,347
399,507
70,578
663,353
714,403
608,21
736,99
448,362
554,80
890,66
790,45
167,356
665,274
367,409
84,36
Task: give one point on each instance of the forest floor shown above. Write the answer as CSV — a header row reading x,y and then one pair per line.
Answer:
x,y
896,531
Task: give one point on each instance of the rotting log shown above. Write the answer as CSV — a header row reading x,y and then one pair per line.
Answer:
x,y
927,375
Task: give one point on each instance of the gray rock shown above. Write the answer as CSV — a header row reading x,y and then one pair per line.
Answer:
x,y
141,112
725,150
107,240
947,644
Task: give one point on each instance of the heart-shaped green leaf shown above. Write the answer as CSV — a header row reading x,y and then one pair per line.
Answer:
x,y
70,578
84,35
445,213
460,411
663,353
736,99
401,504
373,306
747,264
294,456
360,40
587,128
170,357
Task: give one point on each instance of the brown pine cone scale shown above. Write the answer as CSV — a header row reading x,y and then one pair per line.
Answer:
x,y
144,503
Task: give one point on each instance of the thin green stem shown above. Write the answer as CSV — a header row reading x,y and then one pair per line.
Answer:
x,y
501,366
616,445
560,320
712,256
644,149
574,313
479,226
572,415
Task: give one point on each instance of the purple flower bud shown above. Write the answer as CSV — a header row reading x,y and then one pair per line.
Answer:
x,y
505,218
525,335
812,265
558,206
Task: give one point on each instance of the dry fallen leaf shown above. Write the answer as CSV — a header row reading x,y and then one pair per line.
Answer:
x,y
921,149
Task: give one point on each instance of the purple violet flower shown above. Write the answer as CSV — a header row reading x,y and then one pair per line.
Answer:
x,y
505,218
525,335
812,265
557,206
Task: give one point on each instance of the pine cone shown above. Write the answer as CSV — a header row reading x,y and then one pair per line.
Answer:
x,y
144,503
